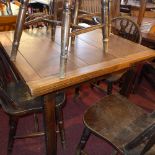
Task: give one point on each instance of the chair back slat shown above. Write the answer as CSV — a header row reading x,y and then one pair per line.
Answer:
x,y
91,6
6,102
8,72
126,28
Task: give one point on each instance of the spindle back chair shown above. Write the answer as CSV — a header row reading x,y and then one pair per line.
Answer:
x,y
17,102
129,129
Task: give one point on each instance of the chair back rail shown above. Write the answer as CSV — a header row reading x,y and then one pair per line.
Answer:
x,y
126,28
7,69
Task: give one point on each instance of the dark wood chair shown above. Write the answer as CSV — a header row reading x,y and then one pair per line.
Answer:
x,y
148,72
148,68
128,29
17,102
129,129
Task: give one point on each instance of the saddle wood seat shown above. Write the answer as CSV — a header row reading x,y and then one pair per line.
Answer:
x,y
122,124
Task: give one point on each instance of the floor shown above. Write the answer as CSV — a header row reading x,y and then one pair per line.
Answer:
x,y
73,112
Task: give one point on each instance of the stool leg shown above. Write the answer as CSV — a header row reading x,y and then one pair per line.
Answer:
x,y
84,138
19,28
13,126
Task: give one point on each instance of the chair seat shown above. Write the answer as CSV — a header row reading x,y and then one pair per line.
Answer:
x,y
129,121
137,150
115,77
24,103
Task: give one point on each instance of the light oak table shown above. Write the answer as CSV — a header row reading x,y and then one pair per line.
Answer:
x,y
38,63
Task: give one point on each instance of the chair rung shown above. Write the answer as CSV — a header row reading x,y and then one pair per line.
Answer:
x,y
84,30
30,135
52,21
89,15
99,88
38,19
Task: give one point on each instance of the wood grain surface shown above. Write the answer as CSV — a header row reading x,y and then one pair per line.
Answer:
x,y
38,58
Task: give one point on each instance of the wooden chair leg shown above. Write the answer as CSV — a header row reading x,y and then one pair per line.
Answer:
x,y
53,11
138,76
36,123
115,152
127,83
85,136
75,18
19,28
77,91
13,126
148,146
60,101
109,87
60,123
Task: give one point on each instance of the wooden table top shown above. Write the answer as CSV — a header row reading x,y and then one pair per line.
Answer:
x,y
38,58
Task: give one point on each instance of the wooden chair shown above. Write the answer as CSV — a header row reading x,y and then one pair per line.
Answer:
x,y
128,29
129,129
89,9
7,23
148,72
17,102
148,68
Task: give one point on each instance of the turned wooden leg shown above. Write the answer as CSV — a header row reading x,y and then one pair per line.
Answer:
x,y
60,100
19,28
109,87
77,91
85,136
36,123
65,31
60,123
53,10
115,152
149,145
13,126
75,18
127,83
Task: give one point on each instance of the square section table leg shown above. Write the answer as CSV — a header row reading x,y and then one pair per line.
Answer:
x,y
50,124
